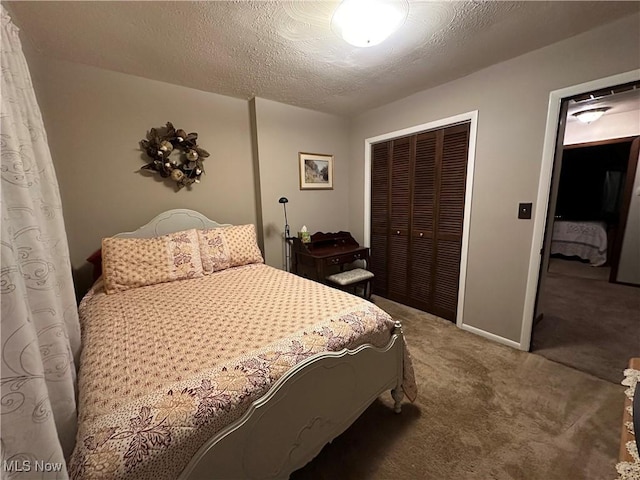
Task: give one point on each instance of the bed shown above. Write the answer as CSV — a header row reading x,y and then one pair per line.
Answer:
x,y
586,240
227,369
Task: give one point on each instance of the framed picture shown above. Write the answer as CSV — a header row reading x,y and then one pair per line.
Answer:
x,y
316,171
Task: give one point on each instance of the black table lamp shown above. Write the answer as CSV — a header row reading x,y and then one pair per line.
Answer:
x,y
287,234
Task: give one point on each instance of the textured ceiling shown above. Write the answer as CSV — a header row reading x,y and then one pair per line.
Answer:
x,y
286,51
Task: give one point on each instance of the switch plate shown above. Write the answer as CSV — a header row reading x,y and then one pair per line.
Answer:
x,y
524,210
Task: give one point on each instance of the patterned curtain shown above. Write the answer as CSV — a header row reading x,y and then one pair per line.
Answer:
x,y
40,329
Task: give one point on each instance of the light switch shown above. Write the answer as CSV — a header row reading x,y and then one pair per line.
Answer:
x,y
524,210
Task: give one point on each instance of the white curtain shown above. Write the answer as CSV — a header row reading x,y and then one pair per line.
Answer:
x,y
40,330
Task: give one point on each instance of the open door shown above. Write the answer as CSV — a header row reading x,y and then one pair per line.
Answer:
x,y
551,209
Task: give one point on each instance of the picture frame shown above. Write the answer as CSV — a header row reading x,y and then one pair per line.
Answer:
x,y
316,171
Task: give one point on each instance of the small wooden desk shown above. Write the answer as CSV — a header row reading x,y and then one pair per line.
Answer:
x,y
316,259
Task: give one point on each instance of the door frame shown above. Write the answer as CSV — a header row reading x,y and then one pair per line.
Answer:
x,y
627,198
471,117
544,186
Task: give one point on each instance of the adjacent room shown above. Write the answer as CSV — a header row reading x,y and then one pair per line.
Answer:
x,y
320,239
588,301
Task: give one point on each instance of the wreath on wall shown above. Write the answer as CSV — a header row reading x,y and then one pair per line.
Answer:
x,y
161,146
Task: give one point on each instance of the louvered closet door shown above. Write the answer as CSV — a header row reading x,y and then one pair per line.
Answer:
x,y
398,251
380,163
451,180
423,222
417,212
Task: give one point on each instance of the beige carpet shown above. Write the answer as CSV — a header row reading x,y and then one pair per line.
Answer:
x,y
588,323
484,411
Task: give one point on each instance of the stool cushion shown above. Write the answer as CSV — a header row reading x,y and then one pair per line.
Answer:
x,y
350,276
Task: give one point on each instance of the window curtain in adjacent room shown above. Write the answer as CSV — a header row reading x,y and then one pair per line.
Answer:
x,y
40,329
611,193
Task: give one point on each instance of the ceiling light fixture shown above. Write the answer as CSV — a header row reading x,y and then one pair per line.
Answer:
x,y
591,115
365,23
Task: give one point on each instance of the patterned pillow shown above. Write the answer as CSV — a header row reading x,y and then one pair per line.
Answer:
x,y
135,262
214,250
243,245
226,247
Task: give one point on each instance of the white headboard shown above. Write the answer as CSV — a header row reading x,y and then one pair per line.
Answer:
x,y
171,221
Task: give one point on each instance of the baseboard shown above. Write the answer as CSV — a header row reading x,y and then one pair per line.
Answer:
x,y
491,336
626,284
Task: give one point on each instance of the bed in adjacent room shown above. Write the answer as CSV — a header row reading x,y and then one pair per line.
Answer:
x,y
586,240
200,361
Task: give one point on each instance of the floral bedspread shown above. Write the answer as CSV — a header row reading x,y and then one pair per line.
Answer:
x,y
165,367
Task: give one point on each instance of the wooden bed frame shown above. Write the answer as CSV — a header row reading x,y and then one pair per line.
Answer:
x,y
305,409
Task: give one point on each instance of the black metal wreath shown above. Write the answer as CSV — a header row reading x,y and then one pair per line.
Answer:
x,y
184,169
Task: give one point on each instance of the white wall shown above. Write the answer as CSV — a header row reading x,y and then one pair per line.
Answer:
x,y
282,132
610,125
512,99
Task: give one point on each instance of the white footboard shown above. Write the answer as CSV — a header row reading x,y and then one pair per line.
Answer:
x,y
308,407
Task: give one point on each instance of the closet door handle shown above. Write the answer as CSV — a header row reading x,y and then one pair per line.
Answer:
x,y
397,232
421,234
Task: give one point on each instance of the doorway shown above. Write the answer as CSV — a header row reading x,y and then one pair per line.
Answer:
x,y
585,313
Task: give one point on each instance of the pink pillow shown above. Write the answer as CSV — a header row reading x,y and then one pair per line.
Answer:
x,y
226,247
135,262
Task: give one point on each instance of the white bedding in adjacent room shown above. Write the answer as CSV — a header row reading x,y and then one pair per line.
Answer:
x,y
587,240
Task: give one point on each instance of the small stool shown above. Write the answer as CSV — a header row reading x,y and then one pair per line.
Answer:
x,y
353,278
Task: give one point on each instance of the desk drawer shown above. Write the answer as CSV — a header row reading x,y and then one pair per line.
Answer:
x,y
344,258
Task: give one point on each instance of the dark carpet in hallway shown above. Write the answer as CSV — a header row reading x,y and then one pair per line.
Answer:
x,y
589,323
